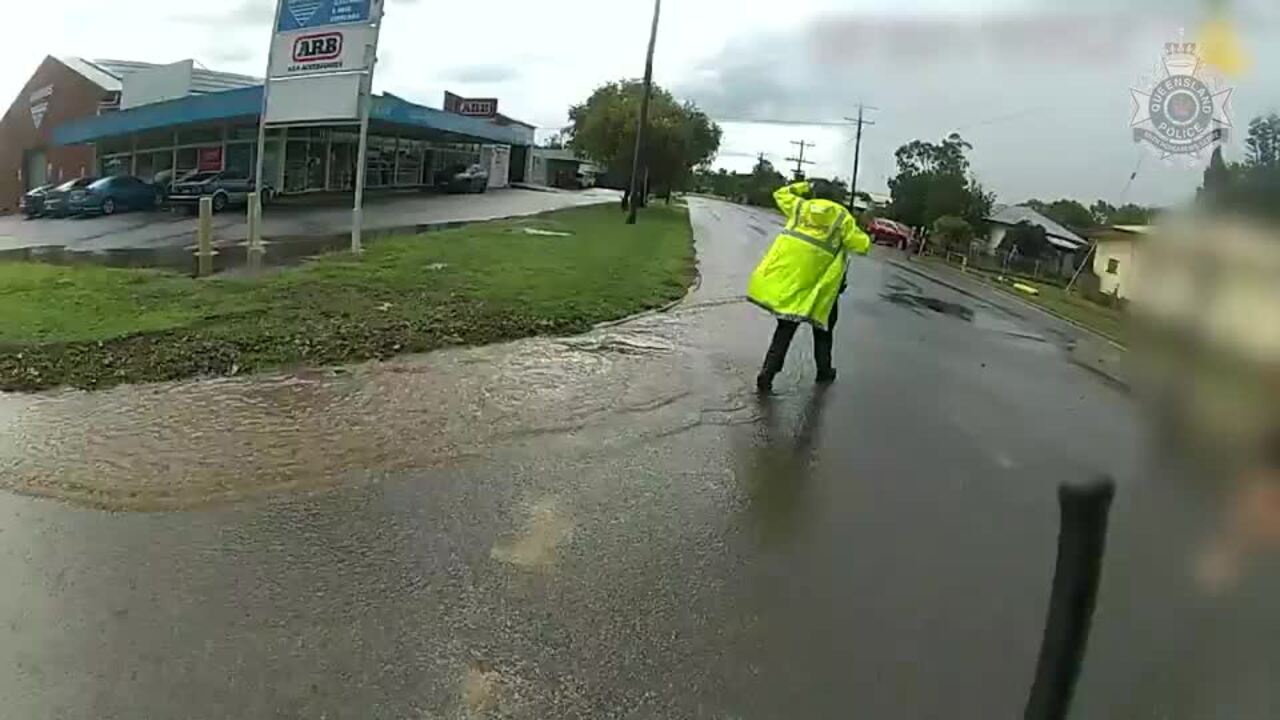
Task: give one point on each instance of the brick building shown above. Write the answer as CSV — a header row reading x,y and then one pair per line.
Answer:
x,y
60,90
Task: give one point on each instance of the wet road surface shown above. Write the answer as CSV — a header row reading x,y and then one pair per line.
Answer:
x,y
603,526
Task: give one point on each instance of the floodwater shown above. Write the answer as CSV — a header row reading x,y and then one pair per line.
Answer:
x,y
186,444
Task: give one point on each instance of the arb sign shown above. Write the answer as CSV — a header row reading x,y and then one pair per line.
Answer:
x,y
340,49
321,46
474,107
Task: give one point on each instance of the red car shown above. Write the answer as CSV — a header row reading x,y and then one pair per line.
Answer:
x,y
884,231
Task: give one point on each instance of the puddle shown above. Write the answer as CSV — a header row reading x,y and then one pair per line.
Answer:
x,y
917,302
283,251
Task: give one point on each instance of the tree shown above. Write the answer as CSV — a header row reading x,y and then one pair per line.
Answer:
x,y
954,233
933,181
833,188
1262,146
680,137
1217,179
1030,240
1104,213
1065,212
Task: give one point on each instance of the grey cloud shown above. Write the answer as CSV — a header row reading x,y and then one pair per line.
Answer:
x,y
1044,97
246,13
481,73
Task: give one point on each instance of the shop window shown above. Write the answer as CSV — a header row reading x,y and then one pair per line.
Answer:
x,y
155,139
200,135
115,146
188,160
239,159
244,132
1113,266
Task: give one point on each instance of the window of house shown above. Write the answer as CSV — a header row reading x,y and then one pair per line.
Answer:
x,y
1113,266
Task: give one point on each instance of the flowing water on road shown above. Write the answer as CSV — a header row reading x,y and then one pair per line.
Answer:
x,y
185,444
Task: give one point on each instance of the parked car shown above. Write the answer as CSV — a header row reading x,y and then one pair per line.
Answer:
x,y
32,202
225,187
113,194
57,202
462,179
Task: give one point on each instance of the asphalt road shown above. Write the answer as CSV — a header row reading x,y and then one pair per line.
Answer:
x,y
611,526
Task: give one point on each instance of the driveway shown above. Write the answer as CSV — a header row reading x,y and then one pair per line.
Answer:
x,y
296,219
614,526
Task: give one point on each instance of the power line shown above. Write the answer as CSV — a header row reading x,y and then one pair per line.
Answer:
x,y
799,159
857,151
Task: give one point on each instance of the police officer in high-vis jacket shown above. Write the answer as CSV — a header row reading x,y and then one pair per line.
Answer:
x,y
801,277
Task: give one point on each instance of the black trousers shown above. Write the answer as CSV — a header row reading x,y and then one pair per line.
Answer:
x,y
776,357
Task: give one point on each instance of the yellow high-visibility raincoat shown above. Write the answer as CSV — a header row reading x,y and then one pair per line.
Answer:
x,y
800,277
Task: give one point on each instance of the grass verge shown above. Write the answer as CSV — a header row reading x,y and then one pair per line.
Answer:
x,y
92,327
1108,322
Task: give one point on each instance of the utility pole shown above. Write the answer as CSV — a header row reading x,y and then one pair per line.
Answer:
x,y
643,122
857,151
799,160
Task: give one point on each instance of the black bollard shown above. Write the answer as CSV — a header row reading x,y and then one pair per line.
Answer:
x,y
1082,538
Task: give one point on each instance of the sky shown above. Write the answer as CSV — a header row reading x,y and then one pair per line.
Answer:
x,y
1041,88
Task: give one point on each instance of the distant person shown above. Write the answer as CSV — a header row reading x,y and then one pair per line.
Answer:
x,y
802,276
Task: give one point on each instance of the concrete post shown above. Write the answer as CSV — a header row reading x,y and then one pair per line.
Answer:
x,y
204,239
256,249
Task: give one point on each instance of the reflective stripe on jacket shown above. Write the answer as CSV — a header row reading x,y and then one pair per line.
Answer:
x,y
801,274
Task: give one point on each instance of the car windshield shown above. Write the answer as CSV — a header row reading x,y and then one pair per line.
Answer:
x,y
99,184
201,177
77,183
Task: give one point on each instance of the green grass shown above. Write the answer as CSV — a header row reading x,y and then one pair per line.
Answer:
x,y
1106,321
92,326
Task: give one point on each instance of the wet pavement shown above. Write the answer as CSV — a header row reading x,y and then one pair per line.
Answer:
x,y
156,238
608,526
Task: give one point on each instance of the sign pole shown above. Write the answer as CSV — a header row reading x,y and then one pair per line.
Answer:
x,y
362,154
255,208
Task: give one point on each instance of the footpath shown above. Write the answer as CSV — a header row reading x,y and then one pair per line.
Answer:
x,y
1085,347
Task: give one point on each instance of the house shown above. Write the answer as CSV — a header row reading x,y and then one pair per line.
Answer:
x,y
1116,258
1004,217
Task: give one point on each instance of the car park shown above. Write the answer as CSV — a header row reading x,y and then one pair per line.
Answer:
x,y
225,187
113,194
32,202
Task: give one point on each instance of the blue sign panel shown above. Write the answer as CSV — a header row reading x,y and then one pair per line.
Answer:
x,y
307,14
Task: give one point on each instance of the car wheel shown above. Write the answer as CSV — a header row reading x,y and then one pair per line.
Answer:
x,y
108,207
219,202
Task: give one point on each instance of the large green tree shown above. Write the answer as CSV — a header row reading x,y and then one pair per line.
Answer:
x,y
934,181
1065,212
680,137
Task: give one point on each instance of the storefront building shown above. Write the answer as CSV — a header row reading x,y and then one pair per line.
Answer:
x,y
409,145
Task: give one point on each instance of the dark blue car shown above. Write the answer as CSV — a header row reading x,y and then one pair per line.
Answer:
x,y
111,195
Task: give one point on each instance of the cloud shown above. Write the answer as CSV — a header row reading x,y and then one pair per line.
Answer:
x,y
481,74
1043,96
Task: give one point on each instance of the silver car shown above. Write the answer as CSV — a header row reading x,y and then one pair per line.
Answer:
x,y
226,187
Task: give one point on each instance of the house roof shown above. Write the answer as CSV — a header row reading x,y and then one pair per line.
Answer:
x,y
93,73
109,74
1057,235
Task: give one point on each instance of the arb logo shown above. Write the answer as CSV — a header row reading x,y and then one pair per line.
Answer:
x,y
322,46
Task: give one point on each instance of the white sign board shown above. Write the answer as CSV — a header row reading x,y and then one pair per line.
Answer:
x,y
328,50
315,98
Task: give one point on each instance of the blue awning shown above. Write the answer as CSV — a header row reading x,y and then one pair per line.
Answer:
x,y
247,102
